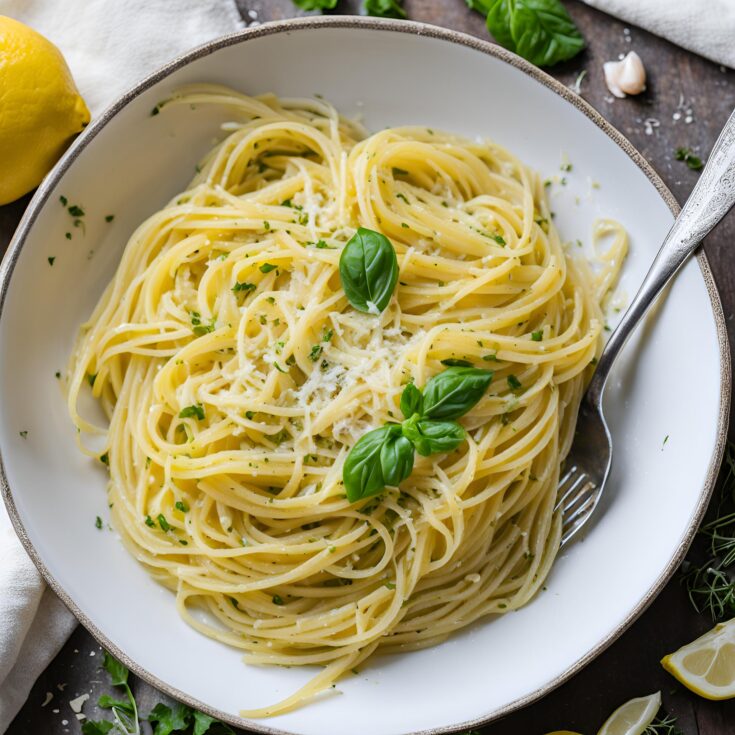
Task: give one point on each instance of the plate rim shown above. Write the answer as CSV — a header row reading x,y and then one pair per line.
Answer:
x,y
416,28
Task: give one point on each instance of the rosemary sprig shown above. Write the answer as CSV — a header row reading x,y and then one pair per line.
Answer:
x,y
665,726
710,583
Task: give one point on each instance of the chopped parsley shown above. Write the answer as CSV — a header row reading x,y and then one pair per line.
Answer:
x,y
109,217
163,523
51,259
686,155
277,600
98,523
537,336
64,201
316,350
322,245
267,267
197,410
514,383
75,210
249,415
23,434
452,362
182,505
149,521
197,327
91,377
105,458
243,286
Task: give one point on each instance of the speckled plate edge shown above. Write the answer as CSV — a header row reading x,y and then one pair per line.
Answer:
x,y
420,29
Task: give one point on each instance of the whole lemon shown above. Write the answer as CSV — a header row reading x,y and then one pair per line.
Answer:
x,y
40,108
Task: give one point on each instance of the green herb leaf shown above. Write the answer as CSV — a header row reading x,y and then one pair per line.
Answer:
x,y
538,335
117,671
396,459
315,4
412,401
452,362
149,522
362,472
430,437
453,392
267,267
481,6
685,154
243,286
163,523
196,410
75,211
98,523
182,505
316,350
203,723
108,702
385,8
167,720
513,383
540,31
368,268
97,728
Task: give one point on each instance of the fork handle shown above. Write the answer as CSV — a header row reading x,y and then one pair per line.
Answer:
x,y
709,202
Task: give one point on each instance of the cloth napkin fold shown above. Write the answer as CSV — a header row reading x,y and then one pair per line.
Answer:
x,y
706,27
109,46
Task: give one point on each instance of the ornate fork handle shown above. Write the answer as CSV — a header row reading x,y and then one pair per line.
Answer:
x,y
709,202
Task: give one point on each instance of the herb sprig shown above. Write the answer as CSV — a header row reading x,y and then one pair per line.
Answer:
x,y
177,719
385,456
540,31
710,581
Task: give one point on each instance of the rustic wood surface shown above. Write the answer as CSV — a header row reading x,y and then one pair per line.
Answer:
x,y
687,102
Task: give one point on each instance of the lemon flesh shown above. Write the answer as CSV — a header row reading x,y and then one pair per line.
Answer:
x,y
707,665
633,717
40,108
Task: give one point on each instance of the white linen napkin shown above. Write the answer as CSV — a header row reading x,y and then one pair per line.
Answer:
x,y
706,27
109,46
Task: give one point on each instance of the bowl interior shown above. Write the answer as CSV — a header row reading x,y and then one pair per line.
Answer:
x,y
391,75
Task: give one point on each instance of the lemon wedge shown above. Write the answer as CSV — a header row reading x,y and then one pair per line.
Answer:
x,y
707,665
633,717
40,108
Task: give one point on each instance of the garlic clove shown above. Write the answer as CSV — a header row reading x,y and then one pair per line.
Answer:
x,y
627,76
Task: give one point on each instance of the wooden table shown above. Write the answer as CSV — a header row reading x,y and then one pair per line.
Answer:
x,y
678,82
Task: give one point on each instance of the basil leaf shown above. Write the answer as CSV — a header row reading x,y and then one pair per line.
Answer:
x,y
481,6
411,401
206,725
498,22
453,392
396,459
385,8
362,472
540,31
429,437
368,268
315,4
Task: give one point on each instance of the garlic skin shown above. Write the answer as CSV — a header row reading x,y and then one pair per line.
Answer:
x,y
627,76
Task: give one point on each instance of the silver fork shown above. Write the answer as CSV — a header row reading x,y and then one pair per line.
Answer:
x,y
588,463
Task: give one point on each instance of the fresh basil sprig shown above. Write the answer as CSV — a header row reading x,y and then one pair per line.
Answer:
x,y
368,269
385,456
381,457
454,391
540,31
385,8
430,437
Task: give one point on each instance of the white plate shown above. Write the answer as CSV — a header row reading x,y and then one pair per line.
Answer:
x,y
673,382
